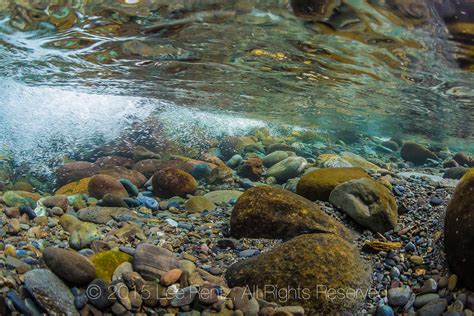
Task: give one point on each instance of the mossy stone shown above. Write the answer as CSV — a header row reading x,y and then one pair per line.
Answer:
x,y
267,212
76,187
312,266
106,262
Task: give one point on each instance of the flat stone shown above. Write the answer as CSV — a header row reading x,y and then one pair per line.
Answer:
x,y
220,197
153,261
424,299
198,204
50,292
101,215
434,308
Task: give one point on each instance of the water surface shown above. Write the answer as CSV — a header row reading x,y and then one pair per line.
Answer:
x,y
80,72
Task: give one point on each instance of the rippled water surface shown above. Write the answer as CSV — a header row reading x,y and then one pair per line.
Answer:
x,y
77,72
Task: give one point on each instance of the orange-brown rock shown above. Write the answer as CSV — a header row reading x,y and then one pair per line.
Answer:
x,y
251,168
171,182
101,184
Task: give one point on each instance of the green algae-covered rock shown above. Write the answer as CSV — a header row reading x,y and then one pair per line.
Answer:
x,y
82,234
13,199
106,262
318,184
459,230
266,212
309,268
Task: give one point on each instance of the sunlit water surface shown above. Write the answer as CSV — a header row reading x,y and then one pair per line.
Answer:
x,y
77,75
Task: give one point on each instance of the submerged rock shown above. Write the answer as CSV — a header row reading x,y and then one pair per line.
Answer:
x,y
69,265
171,182
134,176
367,202
312,266
455,173
113,161
288,168
101,184
251,168
60,201
274,157
153,261
464,159
77,187
220,197
266,212
232,145
101,215
197,204
459,230
75,171
50,292
416,153
106,262
318,184
82,234
150,166
15,199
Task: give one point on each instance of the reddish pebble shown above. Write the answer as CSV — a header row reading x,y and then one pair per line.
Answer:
x,y
171,277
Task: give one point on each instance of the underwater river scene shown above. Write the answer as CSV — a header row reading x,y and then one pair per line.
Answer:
x,y
286,157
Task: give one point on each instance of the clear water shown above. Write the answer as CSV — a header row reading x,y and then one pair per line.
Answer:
x,y
77,73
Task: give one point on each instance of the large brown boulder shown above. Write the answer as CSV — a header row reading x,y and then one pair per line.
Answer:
x,y
75,171
416,153
367,202
171,182
101,184
318,184
459,230
267,212
310,269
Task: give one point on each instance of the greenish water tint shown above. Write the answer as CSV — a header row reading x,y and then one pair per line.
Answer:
x,y
81,73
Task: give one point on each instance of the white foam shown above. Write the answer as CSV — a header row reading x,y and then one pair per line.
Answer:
x,y
42,125
39,124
